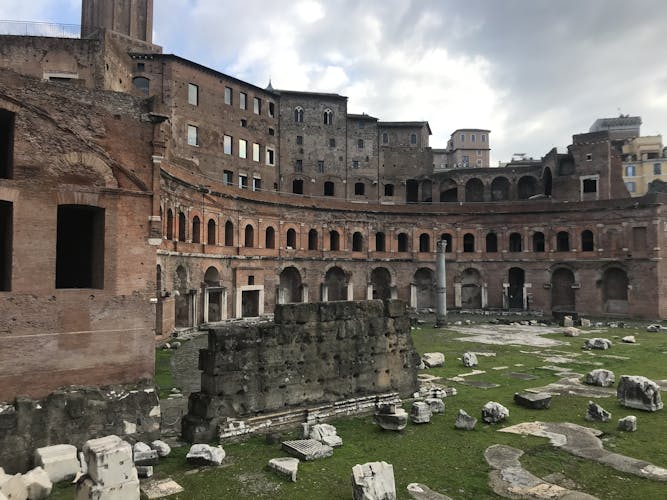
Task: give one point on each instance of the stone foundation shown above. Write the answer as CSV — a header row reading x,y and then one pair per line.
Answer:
x,y
73,416
313,354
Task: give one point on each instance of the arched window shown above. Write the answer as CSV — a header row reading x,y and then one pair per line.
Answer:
x,y
491,243
141,84
563,241
328,116
181,226
538,241
424,243
229,234
468,243
449,242
334,240
515,242
357,242
270,238
587,241
291,238
328,188
312,239
298,114
249,236
402,242
380,242
210,233
196,230
170,224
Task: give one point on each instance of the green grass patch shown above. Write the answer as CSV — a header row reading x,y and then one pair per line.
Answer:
x,y
163,375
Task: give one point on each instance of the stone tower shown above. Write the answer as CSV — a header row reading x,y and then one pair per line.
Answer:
x,y
133,18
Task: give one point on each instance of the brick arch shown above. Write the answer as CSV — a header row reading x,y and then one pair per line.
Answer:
x,y
84,166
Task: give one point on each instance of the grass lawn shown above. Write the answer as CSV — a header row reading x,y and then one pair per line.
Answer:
x,y
448,460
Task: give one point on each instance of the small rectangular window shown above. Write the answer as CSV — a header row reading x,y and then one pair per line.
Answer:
x,y
362,124
629,170
483,137
385,138
228,177
227,144
360,144
244,123
389,190
298,166
332,143
193,135
272,131
6,144
255,151
299,139
355,163
479,152
589,156
590,186
257,105
193,94
228,95
631,186
270,157
141,66
6,216
243,148
657,169
639,239
256,184
413,138
472,137
272,109
243,100
80,247
243,181
320,166
463,137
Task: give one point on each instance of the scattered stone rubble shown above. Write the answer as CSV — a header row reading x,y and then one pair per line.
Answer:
x,y
654,328
534,401
204,454
571,331
595,413
600,378
627,424
391,417
433,359
464,421
629,339
162,448
324,433
307,449
373,481
422,492
420,412
144,455
34,485
597,343
493,412
437,405
639,392
111,472
160,488
60,461
285,466
470,359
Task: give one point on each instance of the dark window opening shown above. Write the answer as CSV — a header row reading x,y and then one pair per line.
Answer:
x,y
424,243
312,239
270,239
210,233
229,234
181,226
298,166
6,210
515,242
170,224
334,241
389,190
590,186
360,144
196,230
402,242
413,138
332,143
380,242
639,239
6,144
251,280
385,138
297,186
291,238
538,242
299,139
468,243
359,188
587,244
357,242
411,191
329,188
447,238
249,236
228,177
142,84
491,243
80,247
562,242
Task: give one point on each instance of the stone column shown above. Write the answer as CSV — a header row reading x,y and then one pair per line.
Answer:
x,y
325,292
280,295
526,287
369,292
350,291
441,284
304,294
506,296
485,295
413,295
457,294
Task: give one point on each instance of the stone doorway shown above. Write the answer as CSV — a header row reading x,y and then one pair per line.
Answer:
x,y
615,291
381,283
425,285
335,284
290,286
516,280
250,304
562,293
471,290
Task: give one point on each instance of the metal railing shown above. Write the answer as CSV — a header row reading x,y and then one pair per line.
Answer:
x,y
24,28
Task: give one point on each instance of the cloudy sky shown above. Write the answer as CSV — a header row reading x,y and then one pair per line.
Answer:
x,y
534,72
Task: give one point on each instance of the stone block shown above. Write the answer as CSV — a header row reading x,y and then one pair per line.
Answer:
x,y
390,417
585,323
162,448
437,405
597,343
600,378
38,484
465,421
145,471
629,339
373,481
433,359
160,488
87,489
59,461
307,449
534,401
13,487
470,359
639,392
627,424
394,308
324,433
420,413
493,412
286,466
571,331
144,454
568,321
204,454
109,461
595,413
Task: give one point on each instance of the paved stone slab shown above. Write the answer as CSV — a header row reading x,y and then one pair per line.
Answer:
x,y
160,488
307,449
534,401
508,335
285,466
573,385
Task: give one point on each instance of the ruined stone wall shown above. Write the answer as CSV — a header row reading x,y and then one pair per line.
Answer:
x,y
314,353
74,416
